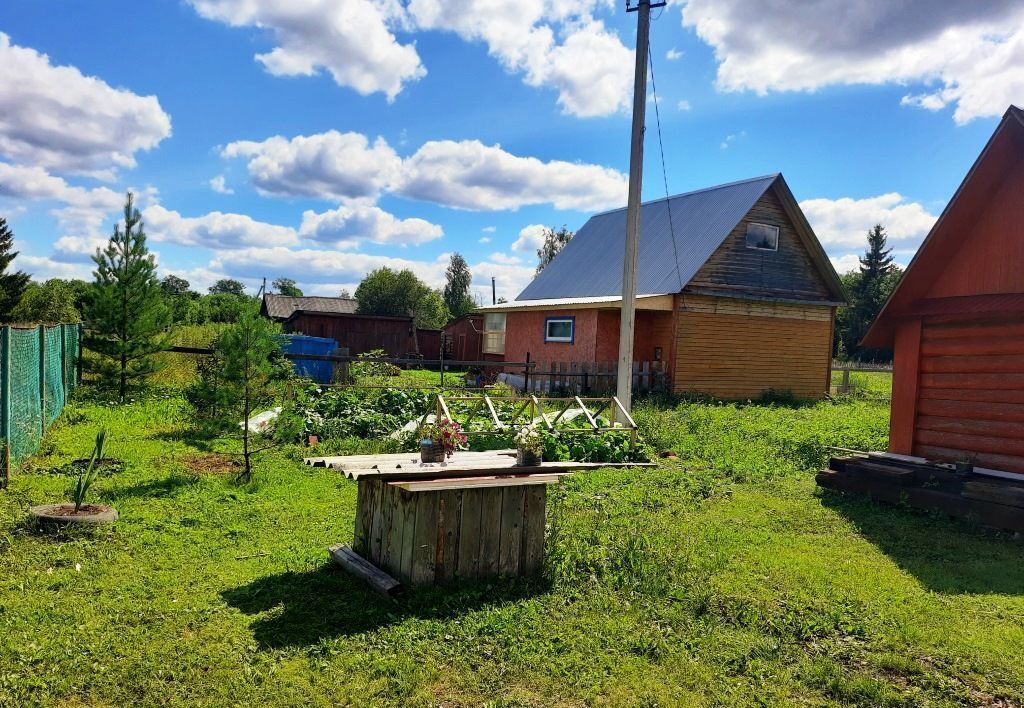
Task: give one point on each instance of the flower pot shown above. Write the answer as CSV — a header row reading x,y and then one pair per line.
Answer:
x,y
66,514
528,458
431,452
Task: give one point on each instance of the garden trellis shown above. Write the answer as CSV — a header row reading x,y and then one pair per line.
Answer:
x,y
38,369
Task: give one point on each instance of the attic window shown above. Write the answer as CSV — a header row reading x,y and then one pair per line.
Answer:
x,y
762,237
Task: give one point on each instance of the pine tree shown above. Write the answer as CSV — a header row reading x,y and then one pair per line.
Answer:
x,y
456,287
868,287
127,317
12,285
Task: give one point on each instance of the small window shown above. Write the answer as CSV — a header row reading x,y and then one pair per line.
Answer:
x,y
559,329
763,237
494,333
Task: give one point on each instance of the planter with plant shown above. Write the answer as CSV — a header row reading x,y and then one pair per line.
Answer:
x,y
440,440
79,511
529,447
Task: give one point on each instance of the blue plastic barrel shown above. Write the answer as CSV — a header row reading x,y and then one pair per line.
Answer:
x,y
319,371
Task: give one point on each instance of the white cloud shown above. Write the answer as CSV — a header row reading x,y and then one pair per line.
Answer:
x,y
530,238
504,258
510,278
558,46
489,229
731,138
484,239
845,263
42,268
345,227
317,265
215,230
58,118
683,105
331,165
966,53
353,40
219,185
673,54
844,223
471,175
346,167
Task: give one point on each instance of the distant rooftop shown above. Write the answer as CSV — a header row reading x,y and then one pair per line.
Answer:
x,y
281,307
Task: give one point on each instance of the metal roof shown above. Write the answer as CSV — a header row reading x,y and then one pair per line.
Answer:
x,y
283,306
590,265
614,300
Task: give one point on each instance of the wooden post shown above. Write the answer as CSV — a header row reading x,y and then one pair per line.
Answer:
x,y
526,374
845,386
5,399
42,380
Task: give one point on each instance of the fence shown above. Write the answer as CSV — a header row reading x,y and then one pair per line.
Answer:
x,y
38,368
843,369
591,378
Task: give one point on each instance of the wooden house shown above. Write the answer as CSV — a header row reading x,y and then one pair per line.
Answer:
x,y
956,321
736,296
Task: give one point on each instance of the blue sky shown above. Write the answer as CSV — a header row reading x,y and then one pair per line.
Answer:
x,y
317,139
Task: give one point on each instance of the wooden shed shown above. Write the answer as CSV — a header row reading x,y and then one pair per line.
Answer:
x,y
358,333
735,295
956,321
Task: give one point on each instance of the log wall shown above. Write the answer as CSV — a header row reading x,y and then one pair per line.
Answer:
x,y
732,348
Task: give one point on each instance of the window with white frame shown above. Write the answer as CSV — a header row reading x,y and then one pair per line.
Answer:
x,y
559,329
763,237
494,333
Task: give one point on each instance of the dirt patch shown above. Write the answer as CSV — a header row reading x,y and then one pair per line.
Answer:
x,y
213,463
84,510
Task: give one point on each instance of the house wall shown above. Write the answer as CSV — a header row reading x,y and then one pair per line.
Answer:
x,y
788,273
732,348
653,329
359,334
466,338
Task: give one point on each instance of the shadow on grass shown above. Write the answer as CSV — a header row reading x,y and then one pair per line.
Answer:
x,y
165,487
197,438
945,555
327,603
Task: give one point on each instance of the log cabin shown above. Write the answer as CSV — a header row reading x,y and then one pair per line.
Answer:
x,y
735,295
956,320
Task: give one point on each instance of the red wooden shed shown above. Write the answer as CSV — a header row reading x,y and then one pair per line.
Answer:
x,y
956,321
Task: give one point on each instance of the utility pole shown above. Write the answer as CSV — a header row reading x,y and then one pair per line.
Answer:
x,y
494,292
627,318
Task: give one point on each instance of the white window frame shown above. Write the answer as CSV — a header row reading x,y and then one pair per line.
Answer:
x,y
493,341
560,340
775,229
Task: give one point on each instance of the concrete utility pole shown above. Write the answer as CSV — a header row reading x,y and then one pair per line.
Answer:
x,y
627,318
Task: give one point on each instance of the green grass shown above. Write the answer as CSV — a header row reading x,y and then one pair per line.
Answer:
x,y
873,383
722,578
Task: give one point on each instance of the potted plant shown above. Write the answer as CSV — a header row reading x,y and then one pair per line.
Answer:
x,y
79,511
441,439
529,447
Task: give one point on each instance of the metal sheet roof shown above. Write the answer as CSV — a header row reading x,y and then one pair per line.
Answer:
x,y
613,300
591,264
283,306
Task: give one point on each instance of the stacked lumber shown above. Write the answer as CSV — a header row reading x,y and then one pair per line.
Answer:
x,y
996,501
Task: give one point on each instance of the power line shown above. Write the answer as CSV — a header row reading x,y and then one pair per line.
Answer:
x,y
664,172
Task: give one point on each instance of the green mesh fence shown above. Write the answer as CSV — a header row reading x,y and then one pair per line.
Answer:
x,y
37,372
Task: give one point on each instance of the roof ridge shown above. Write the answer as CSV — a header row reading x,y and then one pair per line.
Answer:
x,y
734,183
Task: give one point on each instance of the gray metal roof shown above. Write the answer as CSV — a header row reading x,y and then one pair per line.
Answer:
x,y
281,307
590,265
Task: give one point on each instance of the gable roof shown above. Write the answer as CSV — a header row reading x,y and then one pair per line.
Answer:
x,y
590,265
1004,149
281,307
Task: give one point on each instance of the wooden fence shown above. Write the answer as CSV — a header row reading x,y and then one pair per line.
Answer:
x,y
594,378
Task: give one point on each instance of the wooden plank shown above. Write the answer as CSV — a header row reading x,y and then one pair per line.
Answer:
x,y
983,428
513,501
971,345
995,364
967,380
891,474
981,395
359,532
972,443
442,485
424,552
533,530
407,503
449,510
389,500
998,515
1006,463
586,412
973,410
376,521
373,576
468,565
998,493
494,414
490,530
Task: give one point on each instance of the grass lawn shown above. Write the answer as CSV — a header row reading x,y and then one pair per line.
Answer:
x,y
722,578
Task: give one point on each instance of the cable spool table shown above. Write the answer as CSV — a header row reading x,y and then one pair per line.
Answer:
x,y
476,516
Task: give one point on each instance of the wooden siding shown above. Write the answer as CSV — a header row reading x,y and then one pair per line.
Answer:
x,y
731,348
970,398
788,273
359,334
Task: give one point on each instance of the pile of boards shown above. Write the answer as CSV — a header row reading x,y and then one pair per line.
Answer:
x,y
986,497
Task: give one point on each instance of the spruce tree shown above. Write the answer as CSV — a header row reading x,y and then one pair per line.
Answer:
x,y
127,318
868,287
12,285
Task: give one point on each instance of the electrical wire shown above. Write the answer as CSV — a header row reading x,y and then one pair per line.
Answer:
x,y
664,171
